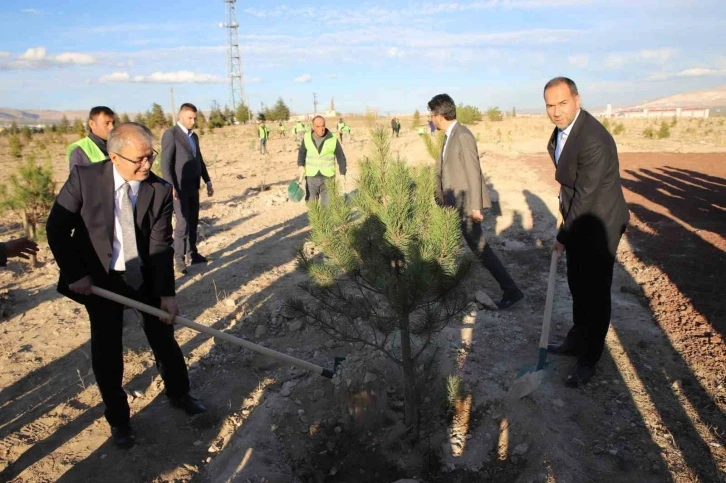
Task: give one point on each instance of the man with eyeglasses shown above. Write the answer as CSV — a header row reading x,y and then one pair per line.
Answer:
x,y
182,166
110,227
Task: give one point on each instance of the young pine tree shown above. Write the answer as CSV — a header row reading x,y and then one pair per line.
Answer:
x,y
16,148
434,144
391,265
416,119
30,194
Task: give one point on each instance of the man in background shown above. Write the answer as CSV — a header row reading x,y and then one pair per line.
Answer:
x,y
460,184
264,134
316,160
182,166
594,215
92,148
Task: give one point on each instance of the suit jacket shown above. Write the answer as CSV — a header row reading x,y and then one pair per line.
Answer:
x,y
81,223
181,167
592,204
459,179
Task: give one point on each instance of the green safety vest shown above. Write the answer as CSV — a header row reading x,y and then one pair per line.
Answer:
x,y
299,127
341,125
323,162
345,128
263,132
282,127
421,130
308,128
93,152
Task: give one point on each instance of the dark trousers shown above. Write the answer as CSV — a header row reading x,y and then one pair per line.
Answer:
x,y
186,210
590,277
263,145
474,236
316,189
107,349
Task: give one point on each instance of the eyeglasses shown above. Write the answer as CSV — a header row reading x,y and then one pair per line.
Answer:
x,y
147,159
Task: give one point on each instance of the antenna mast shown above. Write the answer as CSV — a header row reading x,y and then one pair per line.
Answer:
x,y
234,60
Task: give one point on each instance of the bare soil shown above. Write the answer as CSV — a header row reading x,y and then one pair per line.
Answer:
x,y
654,412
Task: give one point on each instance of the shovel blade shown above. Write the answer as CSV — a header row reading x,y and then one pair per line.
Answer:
x,y
525,385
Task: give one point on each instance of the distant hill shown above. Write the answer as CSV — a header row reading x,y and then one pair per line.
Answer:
x,y
34,116
711,98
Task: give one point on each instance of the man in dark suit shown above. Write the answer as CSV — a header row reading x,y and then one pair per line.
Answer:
x,y
182,166
594,215
460,184
111,227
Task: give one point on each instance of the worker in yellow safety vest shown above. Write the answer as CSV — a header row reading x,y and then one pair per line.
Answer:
x,y
299,131
316,160
264,133
92,148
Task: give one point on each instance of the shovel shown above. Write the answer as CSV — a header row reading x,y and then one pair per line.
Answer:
x,y
531,377
308,366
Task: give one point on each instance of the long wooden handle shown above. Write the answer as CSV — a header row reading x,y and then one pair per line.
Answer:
x,y
544,338
308,366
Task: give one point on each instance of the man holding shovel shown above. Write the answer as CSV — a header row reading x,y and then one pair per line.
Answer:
x,y
110,227
594,215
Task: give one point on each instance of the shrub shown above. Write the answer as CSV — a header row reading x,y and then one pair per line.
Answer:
x,y
416,119
606,124
468,114
664,131
649,133
16,149
618,128
494,114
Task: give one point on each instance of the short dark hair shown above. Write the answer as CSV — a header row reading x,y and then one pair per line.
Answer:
x,y
94,112
443,104
187,106
562,80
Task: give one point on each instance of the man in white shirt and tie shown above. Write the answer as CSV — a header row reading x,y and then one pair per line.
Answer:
x,y
182,166
111,227
594,215
460,184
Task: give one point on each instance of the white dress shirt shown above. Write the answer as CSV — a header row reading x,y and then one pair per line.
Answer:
x,y
117,256
448,135
191,142
562,135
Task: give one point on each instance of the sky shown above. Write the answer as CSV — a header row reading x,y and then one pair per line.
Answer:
x,y
389,56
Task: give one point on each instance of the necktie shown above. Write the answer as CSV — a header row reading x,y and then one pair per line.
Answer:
x,y
443,148
128,236
191,144
562,137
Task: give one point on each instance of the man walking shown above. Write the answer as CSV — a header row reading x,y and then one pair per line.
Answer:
x,y
182,166
92,148
594,215
299,131
282,130
393,127
460,184
316,160
111,227
264,134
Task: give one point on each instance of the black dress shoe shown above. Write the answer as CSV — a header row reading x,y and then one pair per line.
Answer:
x,y
579,375
123,436
180,268
567,348
509,299
189,404
195,258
